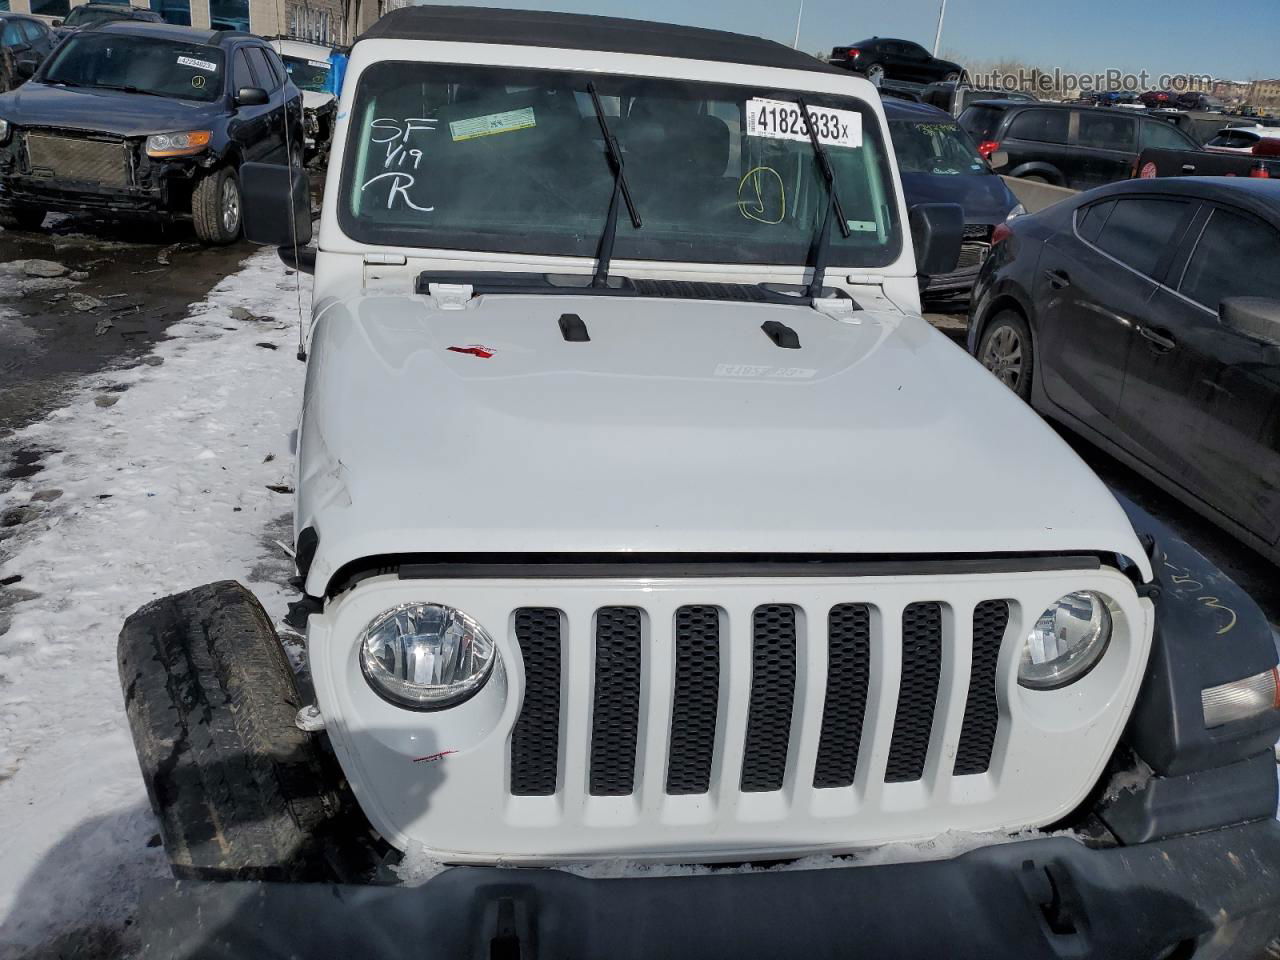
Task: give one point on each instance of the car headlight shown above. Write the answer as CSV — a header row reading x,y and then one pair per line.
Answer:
x,y
4,130
425,656
177,144
1018,211
1066,641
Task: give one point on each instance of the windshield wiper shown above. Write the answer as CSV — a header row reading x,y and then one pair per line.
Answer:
x,y
818,261
620,190
125,88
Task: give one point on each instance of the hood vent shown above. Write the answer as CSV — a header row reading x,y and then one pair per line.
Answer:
x,y
782,335
573,329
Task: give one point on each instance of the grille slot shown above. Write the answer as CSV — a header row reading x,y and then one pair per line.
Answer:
x,y
535,739
694,700
773,684
78,158
981,712
615,710
917,693
848,675
977,231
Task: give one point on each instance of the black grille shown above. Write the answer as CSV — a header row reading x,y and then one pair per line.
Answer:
x,y
694,700
616,706
535,739
977,231
773,683
981,712
848,674
78,158
918,692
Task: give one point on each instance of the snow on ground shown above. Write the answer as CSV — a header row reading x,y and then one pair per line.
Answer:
x,y
162,471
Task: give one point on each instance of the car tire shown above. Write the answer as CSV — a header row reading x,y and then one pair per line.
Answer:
x,y
217,208
241,793
1033,178
1005,349
874,73
21,217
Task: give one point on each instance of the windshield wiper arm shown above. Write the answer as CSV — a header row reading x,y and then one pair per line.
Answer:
x,y
125,88
620,190
819,260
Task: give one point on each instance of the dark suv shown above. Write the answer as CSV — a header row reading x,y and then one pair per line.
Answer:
x,y
1068,145
146,118
881,58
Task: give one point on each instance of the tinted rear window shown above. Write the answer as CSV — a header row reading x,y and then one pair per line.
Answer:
x,y
1042,126
981,123
1139,230
1105,130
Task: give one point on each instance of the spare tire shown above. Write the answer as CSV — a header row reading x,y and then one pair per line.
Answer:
x,y
240,791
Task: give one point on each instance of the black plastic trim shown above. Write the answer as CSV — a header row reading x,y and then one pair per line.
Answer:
x,y
573,329
781,335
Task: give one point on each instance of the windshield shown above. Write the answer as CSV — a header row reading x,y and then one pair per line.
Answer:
x,y
937,147
186,71
499,159
306,74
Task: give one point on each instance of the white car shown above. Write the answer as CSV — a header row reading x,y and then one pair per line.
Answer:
x,y
642,517
1241,139
309,68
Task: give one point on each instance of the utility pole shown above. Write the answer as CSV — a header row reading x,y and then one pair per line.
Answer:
x,y
937,39
799,16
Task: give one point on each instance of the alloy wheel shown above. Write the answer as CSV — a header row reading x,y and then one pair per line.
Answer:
x,y
1003,356
230,206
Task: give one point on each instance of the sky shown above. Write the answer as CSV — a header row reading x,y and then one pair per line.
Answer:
x,y
1159,36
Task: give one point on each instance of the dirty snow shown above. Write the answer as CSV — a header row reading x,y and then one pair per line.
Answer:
x,y
153,481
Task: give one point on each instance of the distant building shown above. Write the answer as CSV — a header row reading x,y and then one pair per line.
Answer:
x,y
318,20
1230,91
1264,93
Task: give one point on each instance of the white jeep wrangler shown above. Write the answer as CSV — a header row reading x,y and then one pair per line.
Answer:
x,y
641,515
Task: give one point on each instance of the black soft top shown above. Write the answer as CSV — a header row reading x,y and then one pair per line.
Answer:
x,y
575,31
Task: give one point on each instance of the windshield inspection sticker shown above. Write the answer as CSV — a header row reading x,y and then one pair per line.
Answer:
x,y
198,64
486,126
781,120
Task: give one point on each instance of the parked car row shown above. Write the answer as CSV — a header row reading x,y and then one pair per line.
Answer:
x,y
884,58
1146,317
134,118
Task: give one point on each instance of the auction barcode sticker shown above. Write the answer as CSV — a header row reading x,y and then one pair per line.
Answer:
x,y
198,64
781,120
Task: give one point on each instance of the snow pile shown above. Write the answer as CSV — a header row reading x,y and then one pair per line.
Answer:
x,y
154,480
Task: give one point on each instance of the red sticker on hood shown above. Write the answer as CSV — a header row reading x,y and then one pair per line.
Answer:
x,y
475,350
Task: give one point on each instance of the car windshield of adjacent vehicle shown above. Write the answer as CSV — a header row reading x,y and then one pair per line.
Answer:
x,y
502,159
136,64
87,17
307,74
937,147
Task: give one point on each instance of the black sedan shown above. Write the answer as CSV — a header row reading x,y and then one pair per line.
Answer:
x,y
149,119
1145,316
883,58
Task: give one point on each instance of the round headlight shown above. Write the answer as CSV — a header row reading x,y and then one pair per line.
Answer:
x,y
1066,641
425,656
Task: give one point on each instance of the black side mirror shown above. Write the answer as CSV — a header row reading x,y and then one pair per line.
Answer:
x,y
251,97
56,24
937,230
1256,317
277,204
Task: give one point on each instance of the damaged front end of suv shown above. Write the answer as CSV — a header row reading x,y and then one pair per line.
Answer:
x,y
634,601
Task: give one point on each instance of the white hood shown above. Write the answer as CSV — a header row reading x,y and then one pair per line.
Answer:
x,y
679,427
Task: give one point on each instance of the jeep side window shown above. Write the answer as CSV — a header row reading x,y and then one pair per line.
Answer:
x,y
1139,229
1041,126
1213,273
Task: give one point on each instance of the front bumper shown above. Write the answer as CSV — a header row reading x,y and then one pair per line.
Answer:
x,y
1211,895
